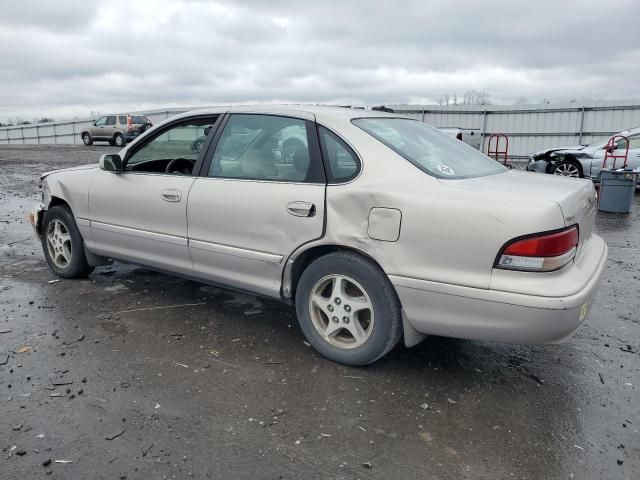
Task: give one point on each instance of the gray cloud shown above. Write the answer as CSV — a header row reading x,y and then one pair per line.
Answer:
x,y
67,58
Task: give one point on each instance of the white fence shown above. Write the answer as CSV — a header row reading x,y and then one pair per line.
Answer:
x,y
534,127
65,132
529,127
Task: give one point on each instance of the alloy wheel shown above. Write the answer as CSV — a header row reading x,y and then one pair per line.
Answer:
x,y
567,170
341,311
59,243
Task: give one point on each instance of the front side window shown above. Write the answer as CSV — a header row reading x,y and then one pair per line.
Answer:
x,y
111,120
175,150
101,121
431,151
344,164
265,147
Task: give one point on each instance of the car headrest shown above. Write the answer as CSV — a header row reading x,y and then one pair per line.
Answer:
x,y
301,158
255,165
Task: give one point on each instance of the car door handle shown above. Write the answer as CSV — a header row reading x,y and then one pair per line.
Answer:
x,y
301,209
171,195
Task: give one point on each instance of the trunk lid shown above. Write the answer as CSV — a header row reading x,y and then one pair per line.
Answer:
x,y
575,197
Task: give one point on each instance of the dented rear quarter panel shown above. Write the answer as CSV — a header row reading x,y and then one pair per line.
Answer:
x,y
449,235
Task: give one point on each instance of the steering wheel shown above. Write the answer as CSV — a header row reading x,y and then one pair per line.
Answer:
x,y
180,165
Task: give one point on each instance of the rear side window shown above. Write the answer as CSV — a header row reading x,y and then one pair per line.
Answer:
x,y
267,147
343,163
430,150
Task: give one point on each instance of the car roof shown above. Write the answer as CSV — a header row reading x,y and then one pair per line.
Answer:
x,y
308,112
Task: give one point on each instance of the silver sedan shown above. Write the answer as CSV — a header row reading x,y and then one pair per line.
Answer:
x,y
375,227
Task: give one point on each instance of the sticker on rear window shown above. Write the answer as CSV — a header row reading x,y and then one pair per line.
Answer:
x,y
445,170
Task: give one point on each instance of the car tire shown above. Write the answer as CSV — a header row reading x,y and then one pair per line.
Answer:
x,y
118,140
348,309
567,168
86,139
112,143
62,244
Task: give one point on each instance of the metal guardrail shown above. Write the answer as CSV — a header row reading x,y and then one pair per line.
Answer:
x,y
64,132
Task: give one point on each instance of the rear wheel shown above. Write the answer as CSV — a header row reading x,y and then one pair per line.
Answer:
x,y
567,168
348,309
62,244
118,139
86,139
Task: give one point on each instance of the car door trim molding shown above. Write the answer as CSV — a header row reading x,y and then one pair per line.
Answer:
x,y
134,232
235,251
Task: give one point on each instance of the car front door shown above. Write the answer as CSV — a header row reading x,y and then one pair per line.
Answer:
x,y
633,156
97,130
251,207
140,213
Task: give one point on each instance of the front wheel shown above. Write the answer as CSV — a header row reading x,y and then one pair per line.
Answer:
x,y
348,309
567,168
86,139
63,245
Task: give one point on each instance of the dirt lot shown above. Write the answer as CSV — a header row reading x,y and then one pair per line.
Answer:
x,y
134,374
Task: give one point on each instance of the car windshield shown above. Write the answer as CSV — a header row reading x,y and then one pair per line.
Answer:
x,y
432,151
139,119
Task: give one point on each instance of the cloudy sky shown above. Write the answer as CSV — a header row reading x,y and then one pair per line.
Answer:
x,y
67,58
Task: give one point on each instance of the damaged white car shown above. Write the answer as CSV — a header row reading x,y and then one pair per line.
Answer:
x,y
585,161
376,227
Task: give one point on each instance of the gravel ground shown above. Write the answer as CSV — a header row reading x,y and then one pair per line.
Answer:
x,y
135,374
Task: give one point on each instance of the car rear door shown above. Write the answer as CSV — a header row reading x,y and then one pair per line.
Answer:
x,y
109,128
251,207
633,158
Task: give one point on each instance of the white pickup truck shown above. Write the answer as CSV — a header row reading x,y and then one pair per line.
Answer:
x,y
470,136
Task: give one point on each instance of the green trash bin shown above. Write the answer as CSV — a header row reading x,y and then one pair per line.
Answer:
x,y
617,188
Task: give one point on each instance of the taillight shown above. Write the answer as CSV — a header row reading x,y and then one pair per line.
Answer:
x,y
129,123
543,252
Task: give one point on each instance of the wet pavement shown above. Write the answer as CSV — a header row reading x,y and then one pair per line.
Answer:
x,y
135,374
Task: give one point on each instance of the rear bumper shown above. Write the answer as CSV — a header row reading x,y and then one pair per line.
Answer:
x,y
130,136
498,316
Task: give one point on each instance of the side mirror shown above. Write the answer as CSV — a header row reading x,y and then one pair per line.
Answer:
x,y
94,122
111,163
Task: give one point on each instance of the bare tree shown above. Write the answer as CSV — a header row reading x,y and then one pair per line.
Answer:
x,y
474,97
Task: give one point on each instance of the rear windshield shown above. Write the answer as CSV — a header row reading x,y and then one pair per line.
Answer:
x,y
430,150
139,119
